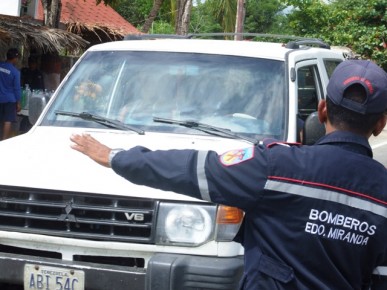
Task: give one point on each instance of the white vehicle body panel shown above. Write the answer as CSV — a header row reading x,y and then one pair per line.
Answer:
x,y
48,161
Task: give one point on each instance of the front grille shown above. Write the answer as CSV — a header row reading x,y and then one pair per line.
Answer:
x,y
77,215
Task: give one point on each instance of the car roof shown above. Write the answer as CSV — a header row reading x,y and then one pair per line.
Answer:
x,y
261,49
268,50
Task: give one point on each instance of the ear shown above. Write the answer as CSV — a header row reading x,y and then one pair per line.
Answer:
x,y
380,125
322,111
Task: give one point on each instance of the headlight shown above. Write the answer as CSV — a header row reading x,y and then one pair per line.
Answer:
x,y
182,224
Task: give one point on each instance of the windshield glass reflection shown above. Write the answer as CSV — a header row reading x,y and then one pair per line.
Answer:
x,y
245,95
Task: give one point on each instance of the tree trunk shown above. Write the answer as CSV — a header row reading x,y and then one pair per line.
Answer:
x,y
51,10
183,16
240,17
152,15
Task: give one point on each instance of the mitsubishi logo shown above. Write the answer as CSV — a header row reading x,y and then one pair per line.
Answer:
x,y
67,216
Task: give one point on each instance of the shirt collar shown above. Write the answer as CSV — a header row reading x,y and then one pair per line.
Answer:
x,y
348,140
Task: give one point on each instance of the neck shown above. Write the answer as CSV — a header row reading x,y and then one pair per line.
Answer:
x,y
329,128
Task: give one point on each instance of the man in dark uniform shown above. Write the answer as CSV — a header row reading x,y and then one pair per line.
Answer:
x,y
31,75
315,216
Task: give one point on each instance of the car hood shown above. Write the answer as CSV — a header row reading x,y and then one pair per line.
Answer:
x,y
43,159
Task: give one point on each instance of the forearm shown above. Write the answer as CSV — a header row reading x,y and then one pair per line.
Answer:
x,y
172,170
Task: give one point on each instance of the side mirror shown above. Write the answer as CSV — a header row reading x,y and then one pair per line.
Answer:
x,y
313,130
37,103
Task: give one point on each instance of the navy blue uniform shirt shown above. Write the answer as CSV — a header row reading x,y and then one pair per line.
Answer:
x,y
315,216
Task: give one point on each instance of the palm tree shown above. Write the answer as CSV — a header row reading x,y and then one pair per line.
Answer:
x,y
52,10
183,16
225,12
152,15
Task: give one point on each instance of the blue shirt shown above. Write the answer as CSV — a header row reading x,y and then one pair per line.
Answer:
x,y
315,216
10,89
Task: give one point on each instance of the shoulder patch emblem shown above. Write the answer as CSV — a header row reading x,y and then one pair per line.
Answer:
x,y
237,156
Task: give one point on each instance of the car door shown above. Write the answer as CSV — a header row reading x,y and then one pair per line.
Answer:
x,y
309,90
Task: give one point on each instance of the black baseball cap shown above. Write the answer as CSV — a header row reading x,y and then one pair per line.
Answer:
x,y
12,53
363,72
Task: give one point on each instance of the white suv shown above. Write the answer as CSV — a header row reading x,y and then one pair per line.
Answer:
x,y
68,223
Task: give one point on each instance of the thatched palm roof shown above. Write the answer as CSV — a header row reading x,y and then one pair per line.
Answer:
x,y
94,33
29,33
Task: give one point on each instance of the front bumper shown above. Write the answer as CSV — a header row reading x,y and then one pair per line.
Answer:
x,y
177,272
164,272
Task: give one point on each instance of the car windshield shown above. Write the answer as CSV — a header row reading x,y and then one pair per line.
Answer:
x,y
242,94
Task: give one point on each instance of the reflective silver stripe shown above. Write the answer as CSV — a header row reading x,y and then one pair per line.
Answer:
x,y
202,179
381,271
325,194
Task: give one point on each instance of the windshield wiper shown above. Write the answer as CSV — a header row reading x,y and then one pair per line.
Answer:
x,y
110,123
217,131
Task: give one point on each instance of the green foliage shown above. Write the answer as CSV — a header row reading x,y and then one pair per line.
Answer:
x,y
364,27
358,24
308,16
280,25
202,20
135,11
162,27
209,16
263,16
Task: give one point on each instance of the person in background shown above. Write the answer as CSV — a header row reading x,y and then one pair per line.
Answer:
x,y
51,67
32,77
315,216
10,92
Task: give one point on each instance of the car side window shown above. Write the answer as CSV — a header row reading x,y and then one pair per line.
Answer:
x,y
307,79
330,65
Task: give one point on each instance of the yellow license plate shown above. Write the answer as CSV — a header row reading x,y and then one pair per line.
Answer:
x,y
52,278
